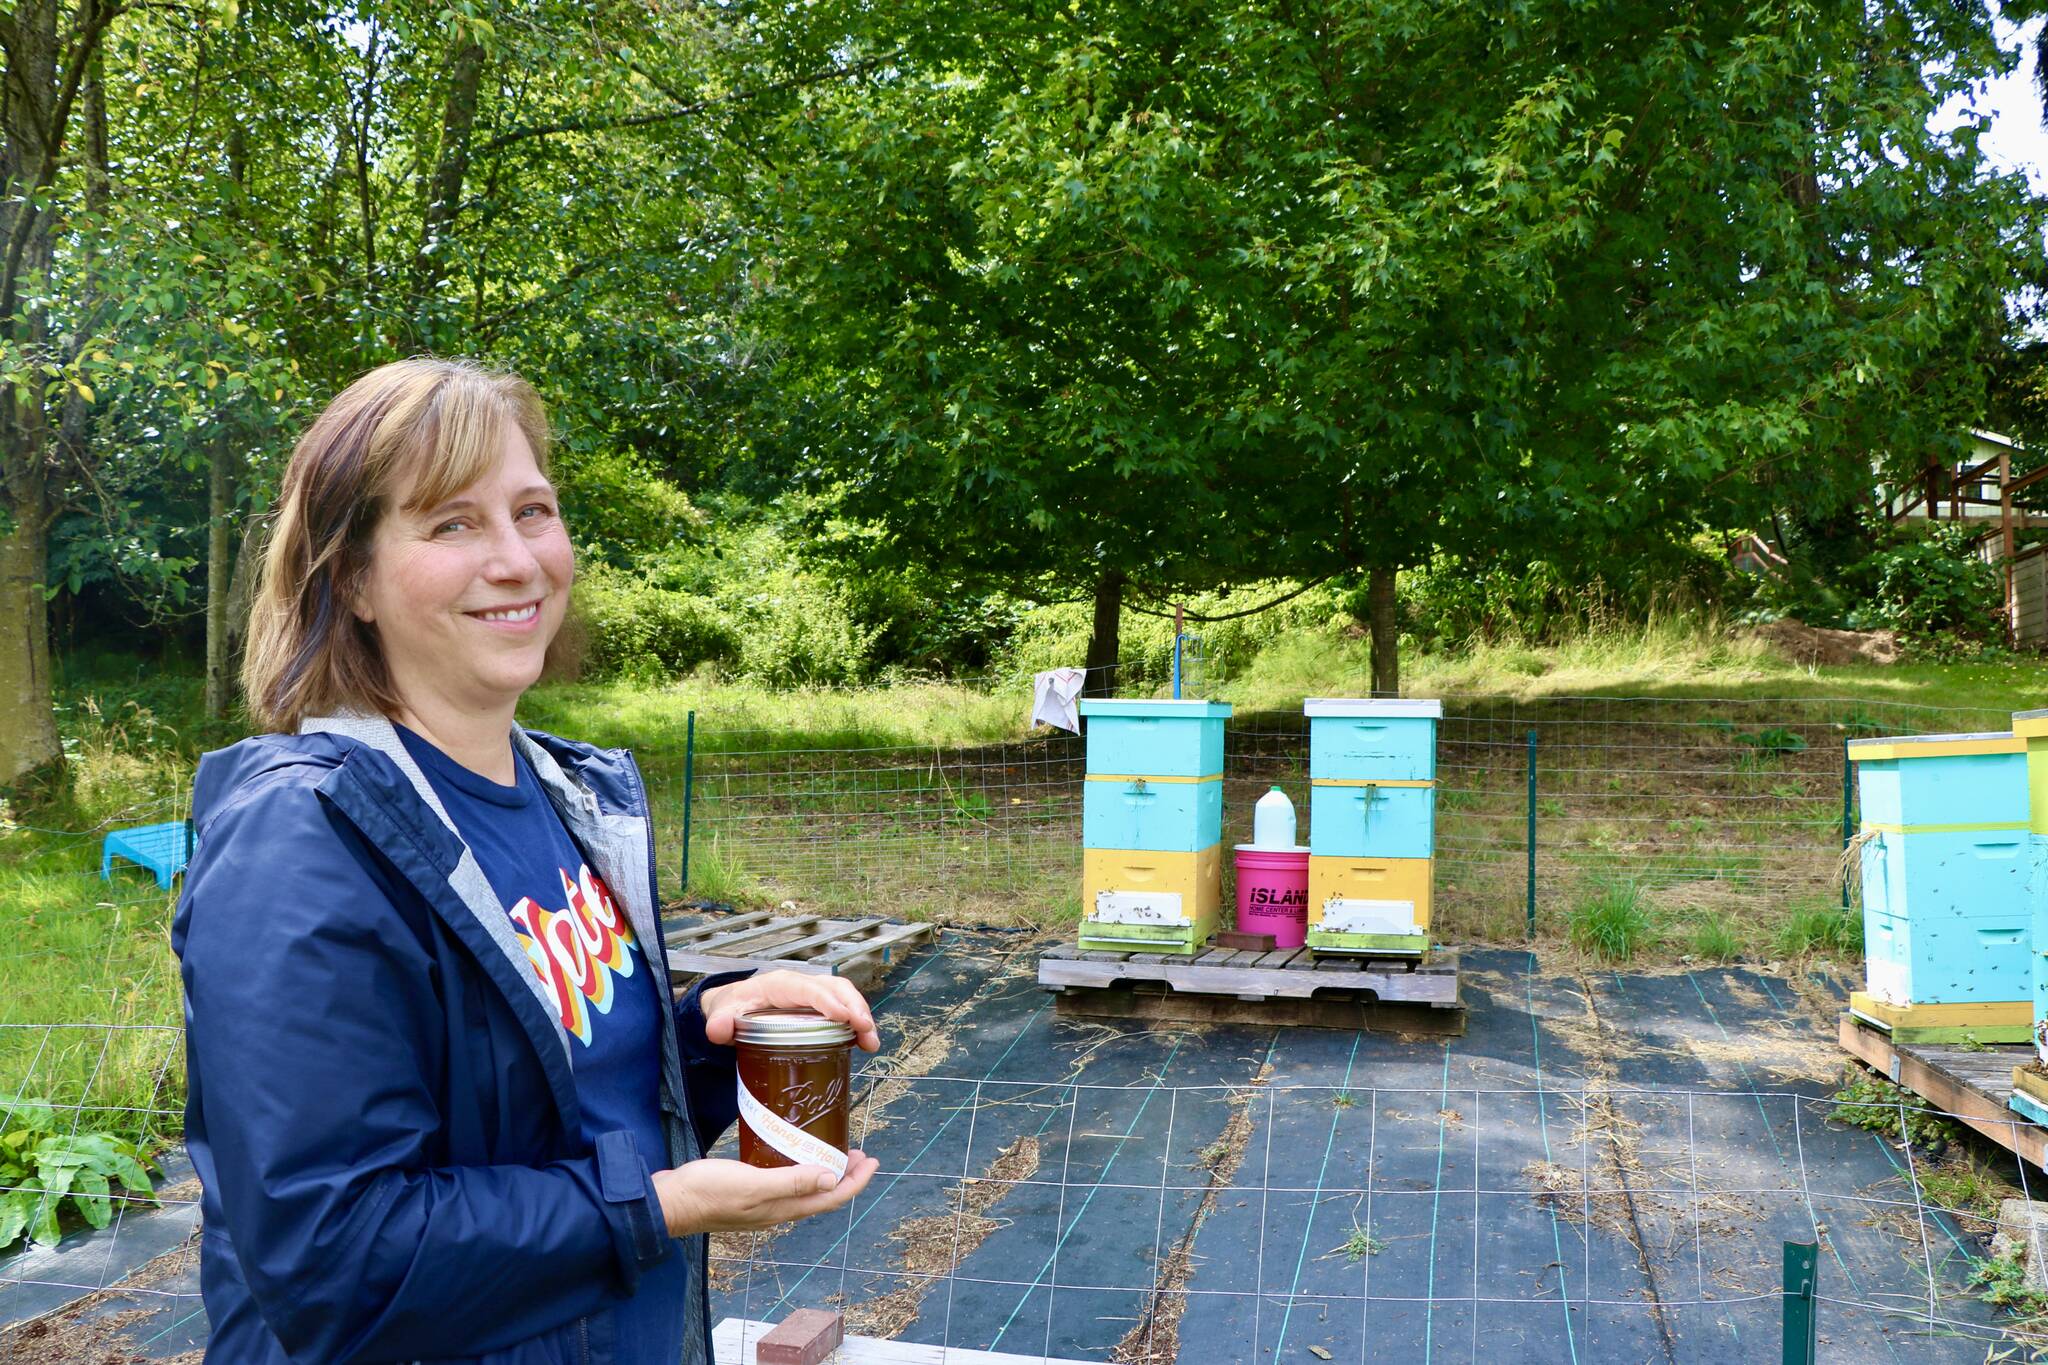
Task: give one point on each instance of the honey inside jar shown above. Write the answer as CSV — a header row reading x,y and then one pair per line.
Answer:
x,y
798,1065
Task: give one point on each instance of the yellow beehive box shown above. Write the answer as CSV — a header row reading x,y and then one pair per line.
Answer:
x,y
1369,904
1163,902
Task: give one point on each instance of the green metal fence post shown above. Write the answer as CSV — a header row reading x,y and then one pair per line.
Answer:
x,y
689,783
1848,802
1532,836
1802,1259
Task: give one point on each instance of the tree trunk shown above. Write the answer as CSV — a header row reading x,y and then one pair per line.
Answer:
x,y
1102,641
29,147
220,492
28,724
1386,632
441,193
219,676
242,591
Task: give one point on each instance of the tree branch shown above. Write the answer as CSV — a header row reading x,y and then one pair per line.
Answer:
x,y
599,125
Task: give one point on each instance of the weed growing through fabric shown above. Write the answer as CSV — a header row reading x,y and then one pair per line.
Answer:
x,y
2001,1281
1344,1099
1363,1242
1962,1184
1612,923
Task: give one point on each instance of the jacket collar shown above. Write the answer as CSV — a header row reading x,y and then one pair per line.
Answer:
x,y
616,844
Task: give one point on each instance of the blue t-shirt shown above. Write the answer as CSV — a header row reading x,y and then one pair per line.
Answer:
x,y
582,948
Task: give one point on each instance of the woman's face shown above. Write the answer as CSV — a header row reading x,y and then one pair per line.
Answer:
x,y
467,595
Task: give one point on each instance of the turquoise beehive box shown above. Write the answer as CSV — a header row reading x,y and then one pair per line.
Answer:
x,y
1372,823
1152,825
2030,1089
1945,863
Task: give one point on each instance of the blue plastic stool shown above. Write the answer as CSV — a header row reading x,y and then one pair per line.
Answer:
x,y
163,849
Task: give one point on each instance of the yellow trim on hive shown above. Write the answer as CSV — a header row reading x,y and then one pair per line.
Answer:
x,y
1982,1013
1147,777
1953,748
1984,826
2037,788
2030,1084
2030,727
1372,782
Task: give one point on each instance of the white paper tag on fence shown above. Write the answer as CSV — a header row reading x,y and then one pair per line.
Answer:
x,y
788,1139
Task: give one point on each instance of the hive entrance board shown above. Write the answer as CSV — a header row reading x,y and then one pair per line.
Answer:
x,y
861,950
1287,986
1972,1083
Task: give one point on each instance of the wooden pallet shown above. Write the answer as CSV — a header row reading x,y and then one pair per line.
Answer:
x,y
861,950
1971,1083
1289,986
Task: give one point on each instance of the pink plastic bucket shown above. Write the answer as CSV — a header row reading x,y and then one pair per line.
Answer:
x,y
1272,893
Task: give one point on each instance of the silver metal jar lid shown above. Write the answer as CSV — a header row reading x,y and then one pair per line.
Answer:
x,y
790,1028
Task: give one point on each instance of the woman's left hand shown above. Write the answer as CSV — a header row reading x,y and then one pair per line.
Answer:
x,y
832,996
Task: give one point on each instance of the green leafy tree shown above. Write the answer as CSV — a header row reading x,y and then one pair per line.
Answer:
x,y
1158,295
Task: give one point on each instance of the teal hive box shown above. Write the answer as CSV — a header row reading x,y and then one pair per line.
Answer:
x,y
1367,739
1371,821
1156,738
1152,824
1945,869
1150,815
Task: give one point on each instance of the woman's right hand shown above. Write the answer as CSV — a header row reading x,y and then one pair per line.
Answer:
x,y
715,1195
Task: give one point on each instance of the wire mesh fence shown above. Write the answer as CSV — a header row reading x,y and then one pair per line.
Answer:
x,y
1694,803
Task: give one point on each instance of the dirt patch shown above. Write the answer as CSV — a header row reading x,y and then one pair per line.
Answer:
x,y
1808,645
71,1337
934,1247
1156,1336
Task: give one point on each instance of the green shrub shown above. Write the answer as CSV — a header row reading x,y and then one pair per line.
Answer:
x,y
1612,922
1934,586
619,510
632,627
42,1171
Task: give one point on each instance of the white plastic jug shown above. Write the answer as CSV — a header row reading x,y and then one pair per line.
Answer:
x,y
1273,821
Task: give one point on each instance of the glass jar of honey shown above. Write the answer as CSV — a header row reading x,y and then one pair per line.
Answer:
x,y
795,1085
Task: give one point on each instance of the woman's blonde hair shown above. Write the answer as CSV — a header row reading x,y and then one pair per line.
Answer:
x,y
438,424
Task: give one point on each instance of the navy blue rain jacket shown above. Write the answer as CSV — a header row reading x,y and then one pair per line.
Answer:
x,y
381,1106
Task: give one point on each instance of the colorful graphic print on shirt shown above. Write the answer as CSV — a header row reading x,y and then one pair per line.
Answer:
x,y
576,951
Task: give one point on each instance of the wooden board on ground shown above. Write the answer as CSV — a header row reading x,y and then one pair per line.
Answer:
x,y
732,1343
1970,1083
1288,986
861,950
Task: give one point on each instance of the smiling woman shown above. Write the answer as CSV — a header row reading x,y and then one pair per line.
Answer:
x,y
442,1100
